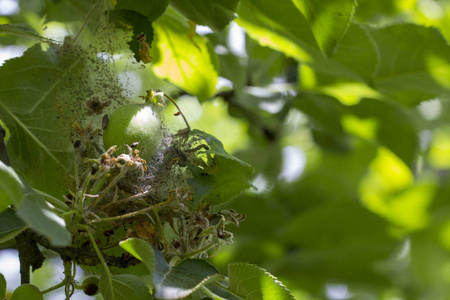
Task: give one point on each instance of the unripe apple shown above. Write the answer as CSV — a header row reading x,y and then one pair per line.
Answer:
x,y
132,123
90,285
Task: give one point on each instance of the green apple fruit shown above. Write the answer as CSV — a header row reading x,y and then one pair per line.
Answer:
x,y
134,123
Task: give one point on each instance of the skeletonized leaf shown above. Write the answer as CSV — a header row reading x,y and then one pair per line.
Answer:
x,y
251,282
328,19
230,178
140,25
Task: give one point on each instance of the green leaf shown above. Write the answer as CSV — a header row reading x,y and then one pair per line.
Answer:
x,y
123,287
2,286
27,291
213,13
37,147
152,10
414,62
231,175
142,250
395,127
251,282
325,113
183,279
37,214
332,235
140,25
186,62
11,187
329,20
10,225
292,35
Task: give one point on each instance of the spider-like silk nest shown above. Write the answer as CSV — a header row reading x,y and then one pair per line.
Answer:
x,y
120,195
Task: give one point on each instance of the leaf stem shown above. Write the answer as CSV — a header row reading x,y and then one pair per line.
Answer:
x,y
52,200
203,249
99,254
55,287
211,294
227,290
110,185
88,18
176,105
137,212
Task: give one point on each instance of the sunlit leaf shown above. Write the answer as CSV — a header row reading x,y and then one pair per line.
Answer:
x,y
35,212
186,62
414,62
142,250
291,34
395,127
328,19
11,187
251,282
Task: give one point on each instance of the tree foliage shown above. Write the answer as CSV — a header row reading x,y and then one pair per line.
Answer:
x,y
326,130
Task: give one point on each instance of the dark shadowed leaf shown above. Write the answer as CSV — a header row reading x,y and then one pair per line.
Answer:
x,y
124,287
213,13
142,250
183,279
395,127
152,10
10,225
140,25
2,286
231,175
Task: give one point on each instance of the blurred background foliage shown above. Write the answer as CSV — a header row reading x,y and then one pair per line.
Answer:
x,y
348,132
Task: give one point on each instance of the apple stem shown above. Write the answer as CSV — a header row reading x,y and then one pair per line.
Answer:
x,y
179,110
